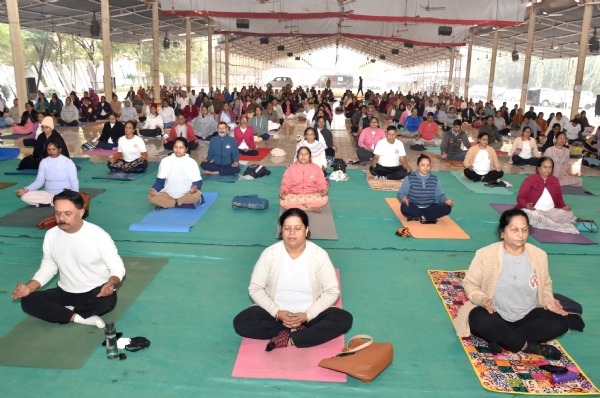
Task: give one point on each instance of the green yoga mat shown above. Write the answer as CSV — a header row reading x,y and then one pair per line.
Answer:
x,y
29,216
479,187
35,343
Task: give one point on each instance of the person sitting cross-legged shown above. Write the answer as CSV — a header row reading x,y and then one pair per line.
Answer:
x,y
525,150
223,154
450,147
481,162
153,124
389,158
131,156
428,132
69,114
88,263
244,138
111,132
368,139
561,157
303,184
181,129
178,181
421,195
294,286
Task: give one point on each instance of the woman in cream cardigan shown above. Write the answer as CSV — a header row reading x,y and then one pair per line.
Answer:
x,y
524,150
511,304
294,287
481,162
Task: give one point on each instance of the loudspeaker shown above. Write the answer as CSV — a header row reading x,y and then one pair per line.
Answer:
x,y
290,54
31,86
280,48
373,60
408,45
596,109
94,27
264,40
382,56
515,56
242,23
445,31
395,51
297,58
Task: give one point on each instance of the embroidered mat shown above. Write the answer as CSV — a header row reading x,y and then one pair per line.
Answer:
x,y
382,185
513,373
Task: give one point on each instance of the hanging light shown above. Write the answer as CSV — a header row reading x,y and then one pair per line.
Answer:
x,y
166,41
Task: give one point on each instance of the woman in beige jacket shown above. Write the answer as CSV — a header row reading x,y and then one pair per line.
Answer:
x,y
294,287
525,150
510,294
481,162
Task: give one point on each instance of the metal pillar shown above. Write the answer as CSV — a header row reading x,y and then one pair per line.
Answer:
x,y
227,62
468,71
529,51
155,50
493,66
583,41
188,52
106,50
210,56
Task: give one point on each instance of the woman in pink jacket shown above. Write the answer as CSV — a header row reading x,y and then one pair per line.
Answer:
x,y
244,137
303,185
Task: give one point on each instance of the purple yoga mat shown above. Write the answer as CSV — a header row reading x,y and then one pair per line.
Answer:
x,y
570,190
547,236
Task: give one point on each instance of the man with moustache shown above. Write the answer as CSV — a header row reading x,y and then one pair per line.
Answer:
x,y
88,263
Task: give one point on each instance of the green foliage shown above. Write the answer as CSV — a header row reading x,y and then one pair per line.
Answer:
x,y
5,90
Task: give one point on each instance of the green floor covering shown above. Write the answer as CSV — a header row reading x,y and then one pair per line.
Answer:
x,y
187,311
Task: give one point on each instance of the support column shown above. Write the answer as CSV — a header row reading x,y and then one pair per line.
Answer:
x,y
528,52
210,55
155,50
583,41
451,71
188,52
468,71
493,65
227,62
14,26
106,50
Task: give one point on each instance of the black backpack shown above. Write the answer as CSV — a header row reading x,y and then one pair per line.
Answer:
x,y
339,164
257,171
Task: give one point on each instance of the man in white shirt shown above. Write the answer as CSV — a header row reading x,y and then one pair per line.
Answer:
x,y
557,119
389,158
89,265
182,100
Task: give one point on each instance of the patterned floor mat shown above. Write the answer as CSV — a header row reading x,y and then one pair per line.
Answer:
x,y
514,373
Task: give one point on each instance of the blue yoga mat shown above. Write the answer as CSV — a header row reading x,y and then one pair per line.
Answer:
x,y
213,177
9,153
152,168
174,220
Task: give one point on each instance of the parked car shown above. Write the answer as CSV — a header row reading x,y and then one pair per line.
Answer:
x,y
512,94
345,82
280,82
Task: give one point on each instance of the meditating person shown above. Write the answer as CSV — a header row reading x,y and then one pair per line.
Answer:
x,y
54,108
574,133
508,285
111,132
178,181
517,119
493,134
294,287
190,111
103,109
129,114
39,150
226,115
481,162
429,133
88,264
167,113
205,126
541,198
325,135
303,184
55,173
389,158
153,125
533,126
500,123
411,123
244,137
557,119
369,137
590,151
88,112
452,142
524,150
181,129
421,195
272,117
562,167
132,155
138,104
69,115
223,154
450,118
260,124
550,134
28,119
317,148
29,140
542,124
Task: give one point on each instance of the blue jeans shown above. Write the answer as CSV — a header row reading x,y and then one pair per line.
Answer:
x,y
431,213
170,124
106,145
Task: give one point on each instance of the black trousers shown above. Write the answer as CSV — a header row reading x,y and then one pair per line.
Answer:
x,y
504,131
151,132
431,213
330,152
191,146
392,173
71,123
49,305
256,323
518,161
492,175
537,326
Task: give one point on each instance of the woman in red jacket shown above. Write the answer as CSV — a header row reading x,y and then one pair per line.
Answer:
x,y
303,185
244,137
191,111
541,198
181,129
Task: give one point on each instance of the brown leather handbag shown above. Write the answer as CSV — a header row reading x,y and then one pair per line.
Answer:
x,y
362,358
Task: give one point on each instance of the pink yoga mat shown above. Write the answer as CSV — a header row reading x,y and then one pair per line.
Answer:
x,y
289,363
100,152
547,236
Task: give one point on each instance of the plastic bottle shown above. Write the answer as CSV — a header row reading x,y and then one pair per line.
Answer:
x,y
112,351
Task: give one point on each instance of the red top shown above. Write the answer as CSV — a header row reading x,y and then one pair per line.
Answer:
x,y
189,133
247,136
191,112
533,187
428,130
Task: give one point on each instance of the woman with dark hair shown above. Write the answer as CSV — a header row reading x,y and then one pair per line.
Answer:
x,y
491,129
508,285
294,288
481,162
55,107
556,128
28,119
317,148
421,195
303,184
39,151
111,132
541,198
524,150
132,155
153,125
561,157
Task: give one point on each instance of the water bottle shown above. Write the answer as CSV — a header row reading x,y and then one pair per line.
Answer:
x,y
112,351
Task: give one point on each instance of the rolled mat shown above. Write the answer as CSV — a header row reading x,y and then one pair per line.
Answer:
x,y
547,236
29,216
322,225
4,185
262,153
151,169
100,152
450,163
445,228
174,220
479,187
507,372
36,343
290,363
9,153
570,190
217,178
382,185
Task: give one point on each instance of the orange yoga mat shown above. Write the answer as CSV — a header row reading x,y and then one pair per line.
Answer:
x,y
262,153
449,163
445,228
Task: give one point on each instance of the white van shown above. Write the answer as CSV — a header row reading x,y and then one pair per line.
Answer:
x,y
280,82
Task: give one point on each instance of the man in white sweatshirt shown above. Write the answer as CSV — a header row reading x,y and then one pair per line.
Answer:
x,y
89,265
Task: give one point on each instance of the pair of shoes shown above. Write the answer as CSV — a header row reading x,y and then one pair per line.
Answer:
x,y
413,218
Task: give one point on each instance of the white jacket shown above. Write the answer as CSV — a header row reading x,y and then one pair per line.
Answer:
x,y
321,274
167,113
153,122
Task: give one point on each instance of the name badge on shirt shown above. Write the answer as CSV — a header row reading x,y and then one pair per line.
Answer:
x,y
533,282
227,146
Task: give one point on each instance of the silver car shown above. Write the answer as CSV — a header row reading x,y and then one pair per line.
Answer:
x,y
280,82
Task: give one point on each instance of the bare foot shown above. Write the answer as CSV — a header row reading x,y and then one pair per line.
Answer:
x,y
312,209
210,172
